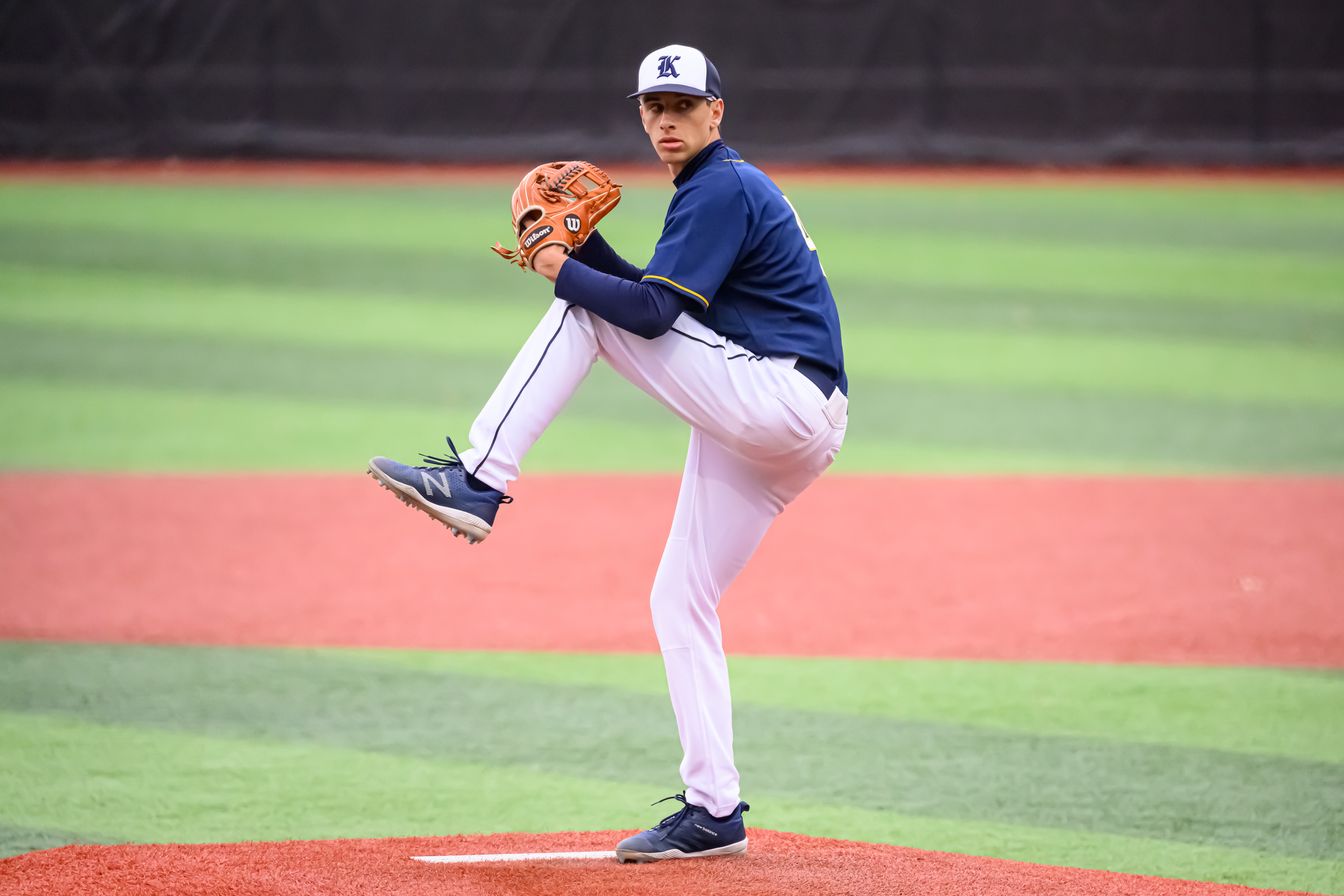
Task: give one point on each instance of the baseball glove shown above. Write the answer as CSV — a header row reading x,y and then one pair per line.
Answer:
x,y
558,203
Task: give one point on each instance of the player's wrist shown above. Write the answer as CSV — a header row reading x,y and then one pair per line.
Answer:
x,y
548,261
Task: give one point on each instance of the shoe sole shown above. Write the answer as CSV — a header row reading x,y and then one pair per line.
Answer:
x,y
627,855
468,526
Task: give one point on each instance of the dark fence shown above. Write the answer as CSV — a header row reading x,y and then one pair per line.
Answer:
x,y
1001,81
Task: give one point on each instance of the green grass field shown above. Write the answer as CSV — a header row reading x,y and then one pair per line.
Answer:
x,y
1119,329
1221,774
1124,329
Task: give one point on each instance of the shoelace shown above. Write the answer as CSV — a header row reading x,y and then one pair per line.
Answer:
x,y
675,816
456,461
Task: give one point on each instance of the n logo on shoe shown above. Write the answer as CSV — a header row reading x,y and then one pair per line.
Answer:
x,y
431,485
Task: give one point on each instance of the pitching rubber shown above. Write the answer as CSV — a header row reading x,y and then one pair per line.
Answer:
x,y
471,527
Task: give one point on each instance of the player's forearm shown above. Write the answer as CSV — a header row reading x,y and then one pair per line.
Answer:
x,y
641,308
598,254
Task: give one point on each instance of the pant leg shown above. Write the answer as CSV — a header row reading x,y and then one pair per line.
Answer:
x,y
724,509
759,407
761,433
538,384
756,406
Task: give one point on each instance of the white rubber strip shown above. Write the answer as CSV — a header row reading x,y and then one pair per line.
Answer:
x,y
519,857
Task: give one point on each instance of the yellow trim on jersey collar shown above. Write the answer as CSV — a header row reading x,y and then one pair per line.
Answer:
x,y
678,286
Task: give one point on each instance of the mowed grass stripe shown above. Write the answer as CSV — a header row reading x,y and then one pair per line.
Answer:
x,y
1147,274
339,316
161,786
932,767
244,259
864,270
183,787
1096,364
1031,309
1288,218
1027,361
908,426
182,307
1278,712
1273,217
371,216
59,424
15,839
52,425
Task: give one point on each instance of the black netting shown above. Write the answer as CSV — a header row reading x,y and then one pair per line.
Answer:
x,y
1058,81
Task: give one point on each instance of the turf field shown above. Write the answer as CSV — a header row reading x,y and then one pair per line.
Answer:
x,y
1130,328
279,330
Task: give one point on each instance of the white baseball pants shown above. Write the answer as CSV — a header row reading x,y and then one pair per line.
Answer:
x,y
761,432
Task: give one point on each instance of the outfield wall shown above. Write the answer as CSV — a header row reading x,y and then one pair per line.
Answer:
x,y
1036,81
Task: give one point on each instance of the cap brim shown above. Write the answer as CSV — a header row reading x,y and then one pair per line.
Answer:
x,y
672,88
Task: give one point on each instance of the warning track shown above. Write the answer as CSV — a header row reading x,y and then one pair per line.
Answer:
x,y
777,863
1235,571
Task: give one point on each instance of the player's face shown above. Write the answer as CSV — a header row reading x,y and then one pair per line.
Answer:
x,y
679,125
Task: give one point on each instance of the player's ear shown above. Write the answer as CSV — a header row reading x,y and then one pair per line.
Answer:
x,y
716,112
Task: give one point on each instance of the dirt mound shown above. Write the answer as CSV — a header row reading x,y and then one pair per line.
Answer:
x,y
776,863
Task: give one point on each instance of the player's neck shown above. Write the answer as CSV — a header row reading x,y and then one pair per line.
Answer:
x,y
679,169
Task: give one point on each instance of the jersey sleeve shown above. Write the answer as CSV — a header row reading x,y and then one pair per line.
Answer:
x,y
702,237
598,254
645,308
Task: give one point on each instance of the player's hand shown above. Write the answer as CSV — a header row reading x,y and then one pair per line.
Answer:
x,y
548,261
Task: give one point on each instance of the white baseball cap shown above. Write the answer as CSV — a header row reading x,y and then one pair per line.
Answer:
x,y
678,69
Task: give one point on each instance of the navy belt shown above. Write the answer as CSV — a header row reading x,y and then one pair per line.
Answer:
x,y
817,375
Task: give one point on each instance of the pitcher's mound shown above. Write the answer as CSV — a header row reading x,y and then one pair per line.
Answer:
x,y
776,863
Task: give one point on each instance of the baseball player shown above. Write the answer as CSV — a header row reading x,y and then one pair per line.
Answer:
x,y
732,327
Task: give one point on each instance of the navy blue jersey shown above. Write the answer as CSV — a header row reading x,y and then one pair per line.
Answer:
x,y
734,247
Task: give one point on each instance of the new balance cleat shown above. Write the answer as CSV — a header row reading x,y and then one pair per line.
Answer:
x,y
687,834
444,490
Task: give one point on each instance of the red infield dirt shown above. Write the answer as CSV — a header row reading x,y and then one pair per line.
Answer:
x,y
1235,571
776,864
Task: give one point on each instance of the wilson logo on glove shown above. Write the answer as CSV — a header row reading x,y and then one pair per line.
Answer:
x,y
558,204
537,234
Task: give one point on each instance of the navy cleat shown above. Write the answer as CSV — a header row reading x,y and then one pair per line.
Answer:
x,y
687,834
445,491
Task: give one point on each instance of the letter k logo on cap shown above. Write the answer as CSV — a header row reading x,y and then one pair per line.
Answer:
x,y
667,67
